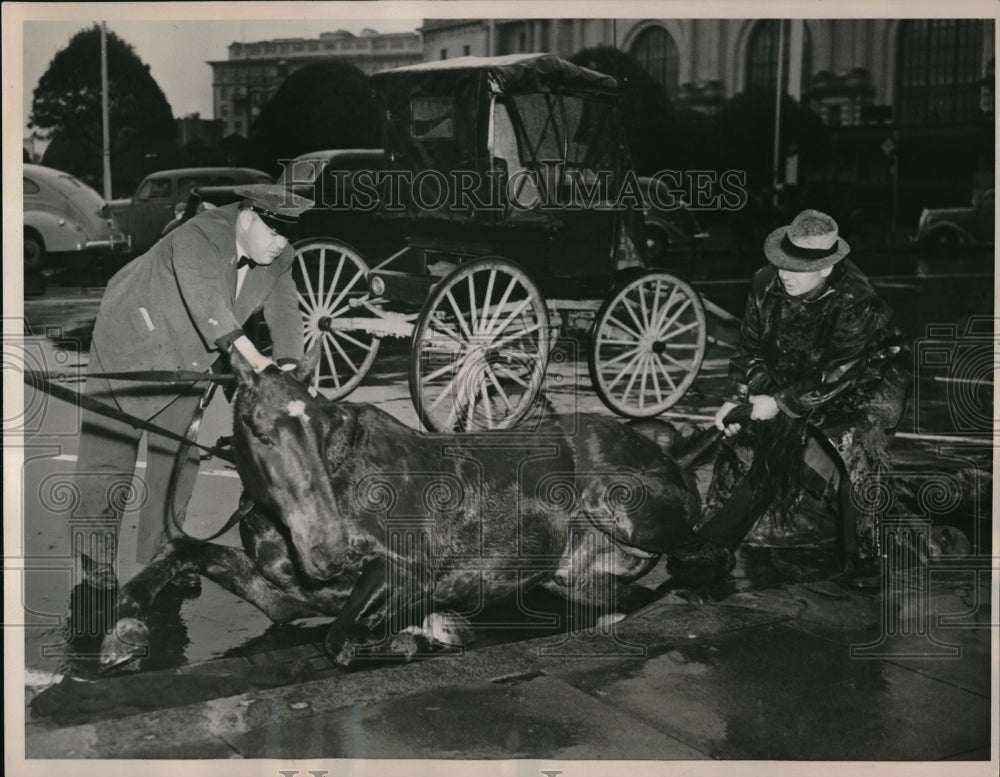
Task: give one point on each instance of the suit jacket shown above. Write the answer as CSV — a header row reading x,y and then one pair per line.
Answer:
x,y
175,308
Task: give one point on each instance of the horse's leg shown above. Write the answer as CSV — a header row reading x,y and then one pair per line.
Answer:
x,y
385,598
230,567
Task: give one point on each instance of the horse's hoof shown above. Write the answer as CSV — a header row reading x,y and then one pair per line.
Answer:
x,y
447,628
342,651
128,641
409,643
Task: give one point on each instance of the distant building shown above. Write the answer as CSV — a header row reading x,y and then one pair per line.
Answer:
x,y
194,129
928,84
243,84
854,70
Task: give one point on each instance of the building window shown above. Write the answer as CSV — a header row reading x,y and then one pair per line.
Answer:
x,y
466,50
762,55
940,69
444,53
656,52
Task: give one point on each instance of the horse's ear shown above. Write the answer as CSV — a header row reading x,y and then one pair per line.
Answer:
x,y
307,367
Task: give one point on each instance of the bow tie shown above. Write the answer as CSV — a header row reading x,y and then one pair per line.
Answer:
x,y
244,261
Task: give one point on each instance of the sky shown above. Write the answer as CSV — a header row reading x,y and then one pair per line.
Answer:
x,y
177,50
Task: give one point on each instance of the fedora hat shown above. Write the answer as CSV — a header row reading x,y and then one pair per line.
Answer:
x,y
810,243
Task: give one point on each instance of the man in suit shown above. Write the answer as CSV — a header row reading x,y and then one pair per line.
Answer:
x,y
180,306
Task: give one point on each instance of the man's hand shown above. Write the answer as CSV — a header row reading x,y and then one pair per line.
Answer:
x,y
720,415
764,407
248,351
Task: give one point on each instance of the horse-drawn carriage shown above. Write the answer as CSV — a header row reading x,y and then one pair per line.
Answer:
x,y
512,179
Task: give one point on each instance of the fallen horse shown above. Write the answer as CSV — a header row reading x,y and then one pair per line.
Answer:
x,y
387,530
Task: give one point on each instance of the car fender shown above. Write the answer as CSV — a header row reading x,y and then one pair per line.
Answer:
x,y
121,211
669,229
944,227
59,233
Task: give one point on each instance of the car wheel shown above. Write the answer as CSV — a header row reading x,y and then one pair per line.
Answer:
x,y
34,252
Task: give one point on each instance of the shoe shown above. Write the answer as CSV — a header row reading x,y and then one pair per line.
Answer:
x,y
698,563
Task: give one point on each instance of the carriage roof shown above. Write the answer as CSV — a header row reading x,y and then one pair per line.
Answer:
x,y
510,74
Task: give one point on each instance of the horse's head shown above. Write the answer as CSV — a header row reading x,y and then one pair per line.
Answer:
x,y
287,438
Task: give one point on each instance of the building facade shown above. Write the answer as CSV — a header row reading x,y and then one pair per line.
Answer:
x,y
854,71
243,83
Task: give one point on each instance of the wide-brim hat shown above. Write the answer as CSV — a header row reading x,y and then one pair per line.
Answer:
x,y
808,244
277,207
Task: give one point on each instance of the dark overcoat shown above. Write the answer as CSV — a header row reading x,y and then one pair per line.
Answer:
x,y
175,308
835,359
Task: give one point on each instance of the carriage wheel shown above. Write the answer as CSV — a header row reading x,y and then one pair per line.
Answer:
x,y
647,345
330,276
479,348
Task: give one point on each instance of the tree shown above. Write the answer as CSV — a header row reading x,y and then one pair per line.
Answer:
x,y
325,105
645,107
747,123
67,107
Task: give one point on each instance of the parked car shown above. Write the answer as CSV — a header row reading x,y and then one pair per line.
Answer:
x,y
668,229
161,196
346,204
65,221
327,178
971,225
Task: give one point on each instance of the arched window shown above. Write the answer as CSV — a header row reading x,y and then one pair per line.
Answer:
x,y
939,70
656,52
762,55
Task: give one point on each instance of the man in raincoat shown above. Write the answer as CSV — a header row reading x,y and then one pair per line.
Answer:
x,y
827,374
180,306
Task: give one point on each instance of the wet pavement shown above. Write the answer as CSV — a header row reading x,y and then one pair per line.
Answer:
x,y
795,672
778,663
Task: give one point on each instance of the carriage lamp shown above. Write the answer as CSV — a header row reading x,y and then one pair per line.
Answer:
x,y
377,286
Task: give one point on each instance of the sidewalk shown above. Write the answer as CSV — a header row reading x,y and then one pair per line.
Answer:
x,y
764,674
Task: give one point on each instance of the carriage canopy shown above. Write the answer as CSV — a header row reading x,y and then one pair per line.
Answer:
x,y
517,113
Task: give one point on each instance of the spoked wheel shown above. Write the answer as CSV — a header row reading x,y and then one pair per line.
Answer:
x,y
331,281
479,349
647,345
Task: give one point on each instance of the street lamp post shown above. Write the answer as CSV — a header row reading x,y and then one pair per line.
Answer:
x,y
105,128
778,92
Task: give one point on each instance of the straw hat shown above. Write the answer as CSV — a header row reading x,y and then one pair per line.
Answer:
x,y
808,244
